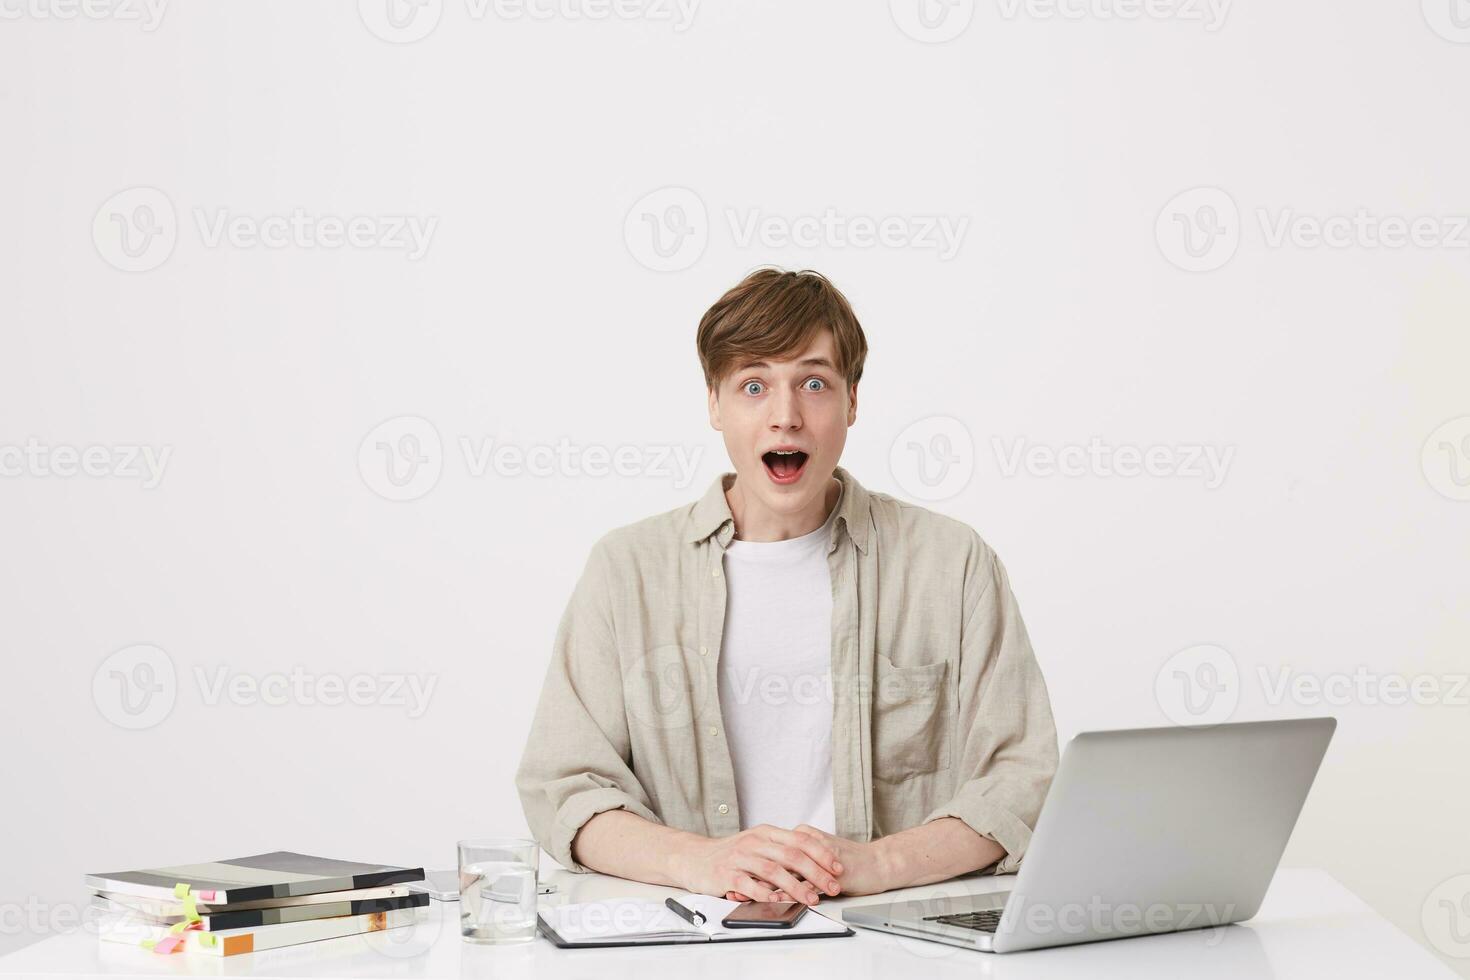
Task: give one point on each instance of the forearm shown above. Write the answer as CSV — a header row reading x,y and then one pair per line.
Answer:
x,y
621,843
936,851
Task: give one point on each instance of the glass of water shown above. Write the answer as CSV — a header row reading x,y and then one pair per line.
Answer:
x,y
497,889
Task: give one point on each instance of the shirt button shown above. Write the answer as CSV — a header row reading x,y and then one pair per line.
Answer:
x,y
714,731
723,808
704,651
714,573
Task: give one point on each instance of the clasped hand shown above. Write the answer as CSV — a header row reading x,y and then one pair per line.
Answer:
x,y
773,864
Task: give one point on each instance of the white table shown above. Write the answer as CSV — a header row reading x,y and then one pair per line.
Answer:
x,y
1309,926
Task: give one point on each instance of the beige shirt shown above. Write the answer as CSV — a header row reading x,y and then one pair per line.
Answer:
x,y
939,707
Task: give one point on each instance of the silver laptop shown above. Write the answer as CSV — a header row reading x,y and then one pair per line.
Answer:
x,y
1144,831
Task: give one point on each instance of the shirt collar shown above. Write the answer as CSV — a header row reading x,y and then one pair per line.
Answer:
x,y
711,513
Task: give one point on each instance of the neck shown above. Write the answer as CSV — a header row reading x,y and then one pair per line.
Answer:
x,y
754,522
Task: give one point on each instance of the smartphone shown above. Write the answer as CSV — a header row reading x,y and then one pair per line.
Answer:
x,y
443,886
764,915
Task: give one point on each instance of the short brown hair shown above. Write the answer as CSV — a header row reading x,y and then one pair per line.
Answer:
x,y
772,313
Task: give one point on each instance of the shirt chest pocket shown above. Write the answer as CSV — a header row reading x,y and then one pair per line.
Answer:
x,y
912,718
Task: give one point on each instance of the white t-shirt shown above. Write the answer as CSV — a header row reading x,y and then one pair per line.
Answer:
x,y
776,679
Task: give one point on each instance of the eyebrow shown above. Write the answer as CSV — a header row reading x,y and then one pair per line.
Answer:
x,y
804,362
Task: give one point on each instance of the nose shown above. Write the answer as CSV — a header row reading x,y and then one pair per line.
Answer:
x,y
785,410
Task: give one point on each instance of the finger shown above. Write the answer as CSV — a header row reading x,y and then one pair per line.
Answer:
x,y
817,876
779,895
816,861
737,897
758,890
812,842
773,869
824,839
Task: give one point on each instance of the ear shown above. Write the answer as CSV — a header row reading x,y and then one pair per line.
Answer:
x,y
852,404
714,409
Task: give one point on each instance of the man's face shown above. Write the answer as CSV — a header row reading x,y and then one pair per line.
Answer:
x,y
785,423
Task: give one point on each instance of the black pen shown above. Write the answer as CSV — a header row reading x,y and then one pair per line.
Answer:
x,y
695,919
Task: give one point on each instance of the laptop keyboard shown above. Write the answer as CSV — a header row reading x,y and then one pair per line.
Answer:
x,y
987,920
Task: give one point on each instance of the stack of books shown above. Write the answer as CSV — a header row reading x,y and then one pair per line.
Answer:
x,y
246,904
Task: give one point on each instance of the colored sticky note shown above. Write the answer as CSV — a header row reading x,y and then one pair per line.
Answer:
x,y
168,944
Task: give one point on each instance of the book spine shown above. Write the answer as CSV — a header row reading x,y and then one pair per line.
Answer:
x,y
296,933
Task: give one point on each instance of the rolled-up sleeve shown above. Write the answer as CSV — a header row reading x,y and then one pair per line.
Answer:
x,y
1008,740
577,759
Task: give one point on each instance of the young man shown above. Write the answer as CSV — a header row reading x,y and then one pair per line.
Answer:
x,y
793,687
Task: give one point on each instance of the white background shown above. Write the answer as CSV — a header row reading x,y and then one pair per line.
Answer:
x,y
1334,543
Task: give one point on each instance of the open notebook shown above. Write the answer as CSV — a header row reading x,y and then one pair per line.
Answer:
x,y
644,922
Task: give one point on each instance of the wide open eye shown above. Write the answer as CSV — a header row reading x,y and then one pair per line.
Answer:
x,y
752,387
814,384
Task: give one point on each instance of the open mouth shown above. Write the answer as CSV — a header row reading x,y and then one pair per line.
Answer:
x,y
784,466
